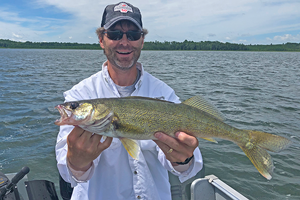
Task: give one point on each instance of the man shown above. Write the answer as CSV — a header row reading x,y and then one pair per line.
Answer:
x,y
100,169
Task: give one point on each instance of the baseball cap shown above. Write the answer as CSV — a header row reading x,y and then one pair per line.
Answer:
x,y
121,11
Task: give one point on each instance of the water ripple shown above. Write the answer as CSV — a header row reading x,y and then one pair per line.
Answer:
x,y
254,90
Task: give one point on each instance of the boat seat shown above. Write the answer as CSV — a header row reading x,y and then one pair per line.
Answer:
x,y
182,191
41,190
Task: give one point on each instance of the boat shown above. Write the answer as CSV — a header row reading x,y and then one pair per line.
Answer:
x,y
202,187
199,187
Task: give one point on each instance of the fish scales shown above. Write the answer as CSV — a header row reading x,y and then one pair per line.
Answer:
x,y
157,116
139,118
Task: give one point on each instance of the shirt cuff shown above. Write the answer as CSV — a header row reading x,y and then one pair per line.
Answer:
x,y
194,168
178,170
183,168
80,176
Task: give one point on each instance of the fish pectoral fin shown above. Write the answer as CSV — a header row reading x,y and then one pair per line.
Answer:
x,y
210,139
131,146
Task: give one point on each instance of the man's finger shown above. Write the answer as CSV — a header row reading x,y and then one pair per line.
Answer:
x,y
74,135
77,131
189,140
106,143
170,141
171,154
165,148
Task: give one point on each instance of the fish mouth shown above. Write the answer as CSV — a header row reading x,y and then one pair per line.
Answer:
x,y
64,115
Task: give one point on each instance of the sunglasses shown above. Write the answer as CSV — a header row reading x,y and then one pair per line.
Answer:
x,y
118,35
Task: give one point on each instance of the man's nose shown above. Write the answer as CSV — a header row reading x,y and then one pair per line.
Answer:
x,y
124,40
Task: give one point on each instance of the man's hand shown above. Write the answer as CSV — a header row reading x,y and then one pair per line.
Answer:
x,y
183,146
84,147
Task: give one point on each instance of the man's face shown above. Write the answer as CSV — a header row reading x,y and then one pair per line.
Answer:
x,y
122,54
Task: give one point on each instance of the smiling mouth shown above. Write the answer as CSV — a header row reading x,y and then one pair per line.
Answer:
x,y
124,53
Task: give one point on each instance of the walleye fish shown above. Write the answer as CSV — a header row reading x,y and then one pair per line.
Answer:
x,y
138,118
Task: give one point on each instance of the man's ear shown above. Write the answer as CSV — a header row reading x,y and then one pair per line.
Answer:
x,y
142,43
101,42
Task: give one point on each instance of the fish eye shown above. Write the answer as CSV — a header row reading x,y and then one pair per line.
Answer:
x,y
74,105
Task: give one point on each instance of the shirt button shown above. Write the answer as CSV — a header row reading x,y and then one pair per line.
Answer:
x,y
135,172
139,197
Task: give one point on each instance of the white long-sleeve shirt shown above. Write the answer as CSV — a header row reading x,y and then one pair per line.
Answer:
x,y
114,174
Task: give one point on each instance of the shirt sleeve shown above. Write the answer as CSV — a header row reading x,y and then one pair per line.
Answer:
x,y
195,167
172,97
80,176
61,150
61,147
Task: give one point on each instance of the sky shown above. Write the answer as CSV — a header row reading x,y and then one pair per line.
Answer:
x,y
234,21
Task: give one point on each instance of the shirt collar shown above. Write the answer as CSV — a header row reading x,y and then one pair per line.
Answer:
x,y
111,82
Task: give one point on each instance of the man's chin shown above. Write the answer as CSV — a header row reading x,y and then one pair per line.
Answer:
x,y
125,66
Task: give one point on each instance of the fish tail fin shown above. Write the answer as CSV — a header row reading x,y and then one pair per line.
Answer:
x,y
256,150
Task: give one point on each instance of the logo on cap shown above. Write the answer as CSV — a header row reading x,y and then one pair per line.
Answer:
x,y
123,8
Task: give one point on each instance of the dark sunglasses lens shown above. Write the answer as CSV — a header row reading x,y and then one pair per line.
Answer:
x,y
117,35
114,35
133,35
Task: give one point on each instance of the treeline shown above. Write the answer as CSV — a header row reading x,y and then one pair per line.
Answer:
x,y
276,47
186,45
46,45
190,45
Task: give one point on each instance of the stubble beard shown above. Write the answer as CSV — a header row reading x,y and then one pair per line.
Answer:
x,y
122,64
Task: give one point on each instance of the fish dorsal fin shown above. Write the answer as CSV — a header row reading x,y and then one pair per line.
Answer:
x,y
202,104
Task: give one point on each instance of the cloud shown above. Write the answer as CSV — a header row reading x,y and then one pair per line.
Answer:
x,y
242,41
234,19
15,27
17,36
287,37
166,20
8,16
17,32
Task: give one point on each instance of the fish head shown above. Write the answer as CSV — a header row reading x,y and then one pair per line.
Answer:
x,y
83,113
74,113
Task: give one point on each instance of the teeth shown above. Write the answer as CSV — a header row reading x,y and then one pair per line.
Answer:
x,y
68,113
123,52
63,113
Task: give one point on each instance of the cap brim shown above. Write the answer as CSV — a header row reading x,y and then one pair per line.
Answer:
x,y
115,20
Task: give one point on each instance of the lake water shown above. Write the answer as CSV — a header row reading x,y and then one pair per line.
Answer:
x,y
254,90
